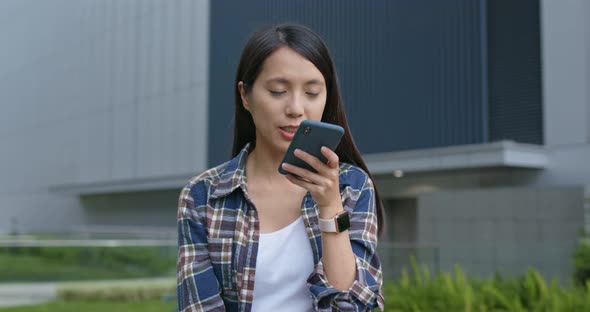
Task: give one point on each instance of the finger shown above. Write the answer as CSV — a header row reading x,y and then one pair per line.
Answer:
x,y
333,160
303,173
302,183
313,161
294,180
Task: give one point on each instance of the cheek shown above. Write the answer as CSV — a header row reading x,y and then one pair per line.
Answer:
x,y
263,110
318,109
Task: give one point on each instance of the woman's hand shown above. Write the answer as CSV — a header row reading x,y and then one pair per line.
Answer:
x,y
337,257
324,185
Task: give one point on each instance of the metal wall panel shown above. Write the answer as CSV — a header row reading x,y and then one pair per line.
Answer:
x,y
98,93
411,72
516,110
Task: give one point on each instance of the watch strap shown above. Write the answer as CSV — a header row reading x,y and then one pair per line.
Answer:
x,y
328,225
331,225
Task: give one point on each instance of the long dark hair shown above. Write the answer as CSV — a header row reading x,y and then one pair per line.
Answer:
x,y
309,45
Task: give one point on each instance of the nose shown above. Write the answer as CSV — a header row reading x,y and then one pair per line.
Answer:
x,y
295,107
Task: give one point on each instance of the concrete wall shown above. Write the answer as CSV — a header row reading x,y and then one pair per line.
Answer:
x,y
97,92
502,219
568,165
413,184
503,229
146,209
401,221
565,27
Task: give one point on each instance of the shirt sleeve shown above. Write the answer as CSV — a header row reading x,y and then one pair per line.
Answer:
x,y
365,294
197,286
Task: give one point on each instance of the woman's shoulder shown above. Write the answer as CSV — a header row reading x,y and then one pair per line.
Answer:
x,y
208,177
353,175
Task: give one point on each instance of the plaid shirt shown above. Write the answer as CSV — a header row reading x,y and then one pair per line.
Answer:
x,y
218,232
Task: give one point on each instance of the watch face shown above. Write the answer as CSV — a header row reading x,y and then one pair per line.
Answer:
x,y
343,222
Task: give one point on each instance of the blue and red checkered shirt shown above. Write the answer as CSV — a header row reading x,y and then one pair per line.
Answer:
x,y
218,233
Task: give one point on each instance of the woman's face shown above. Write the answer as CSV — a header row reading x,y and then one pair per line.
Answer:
x,y
288,90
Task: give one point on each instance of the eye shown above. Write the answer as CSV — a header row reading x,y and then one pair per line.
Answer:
x,y
311,94
277,93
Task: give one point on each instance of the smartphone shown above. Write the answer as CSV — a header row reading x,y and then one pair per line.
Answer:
x,y
310,137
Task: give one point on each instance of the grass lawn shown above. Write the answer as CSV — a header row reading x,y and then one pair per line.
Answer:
x,y
75,306
32,268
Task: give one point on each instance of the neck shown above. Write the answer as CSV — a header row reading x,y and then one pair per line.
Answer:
x,y
263,164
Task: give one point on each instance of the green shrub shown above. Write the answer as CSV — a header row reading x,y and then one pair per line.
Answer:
x,y
456,292
582,261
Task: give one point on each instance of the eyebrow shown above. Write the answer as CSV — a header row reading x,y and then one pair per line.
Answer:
x,y
284,80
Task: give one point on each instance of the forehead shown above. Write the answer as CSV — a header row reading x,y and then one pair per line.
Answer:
x,y
287,64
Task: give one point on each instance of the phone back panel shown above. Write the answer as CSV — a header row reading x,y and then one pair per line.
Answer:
x,y
310,137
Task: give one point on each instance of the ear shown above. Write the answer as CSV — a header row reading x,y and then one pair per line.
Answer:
x,y
243,95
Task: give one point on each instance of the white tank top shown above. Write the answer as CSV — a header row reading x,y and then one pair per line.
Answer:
x,y
283,264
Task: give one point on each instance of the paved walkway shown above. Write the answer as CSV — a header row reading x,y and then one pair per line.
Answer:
x,y
16,294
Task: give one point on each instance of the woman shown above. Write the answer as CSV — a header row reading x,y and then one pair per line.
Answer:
x,y
251,239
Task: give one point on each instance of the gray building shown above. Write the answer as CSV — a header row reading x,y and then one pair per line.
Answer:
x,y
104,107
474,116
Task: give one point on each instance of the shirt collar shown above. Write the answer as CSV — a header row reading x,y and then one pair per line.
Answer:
x,y
232,175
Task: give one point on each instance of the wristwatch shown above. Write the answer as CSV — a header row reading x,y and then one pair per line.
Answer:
x,y
338,224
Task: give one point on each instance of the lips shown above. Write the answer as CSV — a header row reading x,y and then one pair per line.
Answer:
x,y
290,129
288,132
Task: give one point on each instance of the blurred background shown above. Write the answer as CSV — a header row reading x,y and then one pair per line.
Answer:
x,y
473,115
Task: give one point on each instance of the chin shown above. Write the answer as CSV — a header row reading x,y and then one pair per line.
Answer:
x,y
282,145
